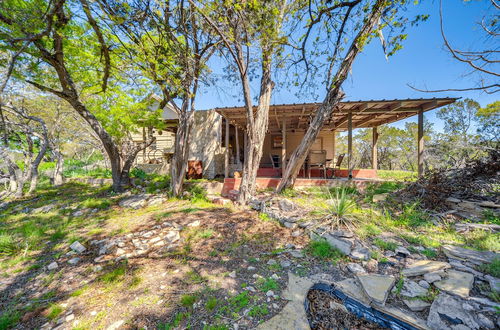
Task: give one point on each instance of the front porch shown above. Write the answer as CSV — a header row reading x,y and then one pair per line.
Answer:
x,y
324,165
267,182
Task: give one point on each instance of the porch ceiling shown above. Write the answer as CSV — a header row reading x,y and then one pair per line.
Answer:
x,y
364,113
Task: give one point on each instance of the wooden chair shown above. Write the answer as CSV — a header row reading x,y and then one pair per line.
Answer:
x,y
337,164
275,162
317,159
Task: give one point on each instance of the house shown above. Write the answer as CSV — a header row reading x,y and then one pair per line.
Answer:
x,y
218,136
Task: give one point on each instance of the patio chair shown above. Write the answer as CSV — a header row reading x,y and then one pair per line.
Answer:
x,y
317,159
275,162
337,164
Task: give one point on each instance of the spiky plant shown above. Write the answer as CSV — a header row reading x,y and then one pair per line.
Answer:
x,y
339,210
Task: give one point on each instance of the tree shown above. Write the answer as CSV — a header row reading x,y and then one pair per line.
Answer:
x,y
252,38
22,133
489,124
363,17
168,44
480,62
49,37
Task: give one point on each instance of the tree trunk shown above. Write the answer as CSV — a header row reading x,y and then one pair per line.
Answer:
x,y
180,158
331,100
256,131
58,170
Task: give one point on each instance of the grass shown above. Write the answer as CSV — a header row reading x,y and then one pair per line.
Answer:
x,y
399,285
492,268
321,249
211,303
258,311
114,276
384,245
9,318
54,311
266,284
397,175
188,300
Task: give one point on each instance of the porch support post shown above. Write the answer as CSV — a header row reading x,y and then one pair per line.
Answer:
x,y
420,143
374,148
226,154
283,145
237,142
349,143
334,152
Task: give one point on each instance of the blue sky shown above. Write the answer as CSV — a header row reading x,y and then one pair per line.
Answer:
x,y
423,62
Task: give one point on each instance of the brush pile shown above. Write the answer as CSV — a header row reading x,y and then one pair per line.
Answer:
x,y
478,180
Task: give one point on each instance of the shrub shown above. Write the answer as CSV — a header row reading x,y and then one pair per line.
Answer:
x,y
340,209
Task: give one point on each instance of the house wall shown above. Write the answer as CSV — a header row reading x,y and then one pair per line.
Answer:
x,y
323,142
164,144
205,142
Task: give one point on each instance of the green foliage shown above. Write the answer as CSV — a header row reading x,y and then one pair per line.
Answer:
x,y
258,311
239,301
397,175
211,303
96,203
266,284
321,249
492,268
178,318
289,192
54,311
188,300
264,217
429,253
115,275
384,245
399,285
340,209
8,245
9,318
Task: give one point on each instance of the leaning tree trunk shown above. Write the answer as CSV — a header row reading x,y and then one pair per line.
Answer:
x,y
180,158
256,132
331,100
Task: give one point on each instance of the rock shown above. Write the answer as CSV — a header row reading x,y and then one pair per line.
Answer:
x,y
485,322
289,225
156,200
456,282
424,266
134,202
297,254
355,268
459,266
292,316
376,287
342,233
96,269
476,257
73,261
275,277
251,268
416,305
484,301
172,236
271,262
77,247
447,311
371,266
432,277
379,198
69,317
411,289
494,282
285,263
232,274
424,284
296,233
195,223
360,253
53,265
120,251
116,325
286,205
270,293
289,246
341,244
402,251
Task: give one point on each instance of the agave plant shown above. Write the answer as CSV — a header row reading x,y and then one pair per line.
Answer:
x,y
339,210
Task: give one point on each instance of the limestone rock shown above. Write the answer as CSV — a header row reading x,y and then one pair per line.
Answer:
x,y
456,282
412,289
494,282
447,312
476,257
376,287
416,305
402,251
77,247
344,245
73,261
424,266
355,268
286,205
432,277
360,253
53,265
134,202
172,236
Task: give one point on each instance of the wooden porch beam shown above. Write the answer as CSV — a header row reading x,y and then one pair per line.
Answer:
x,y
420,142
374,148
